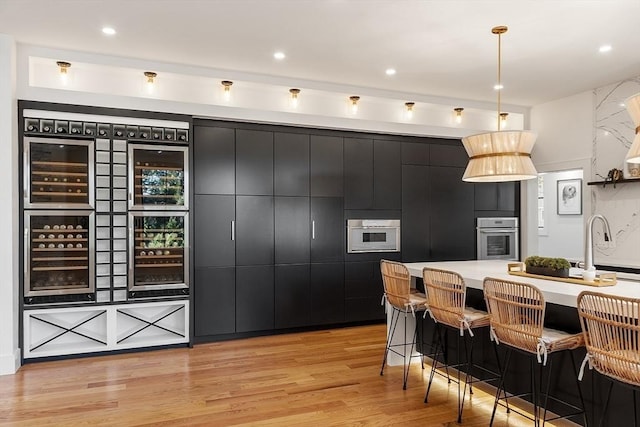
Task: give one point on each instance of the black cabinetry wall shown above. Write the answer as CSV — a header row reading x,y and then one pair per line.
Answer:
x,y
270,211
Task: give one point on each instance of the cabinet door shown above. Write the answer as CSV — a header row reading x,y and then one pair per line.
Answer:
x,y
415,213
254,162
254,298
358,173
292,230
486,196
292,297
326,166
213,244
214,296
328,229
415,153
327,293
214,169
452,219
507,196
254,230
291,164
387,175
363,291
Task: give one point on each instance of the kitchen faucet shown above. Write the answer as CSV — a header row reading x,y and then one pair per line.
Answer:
x,y
588,244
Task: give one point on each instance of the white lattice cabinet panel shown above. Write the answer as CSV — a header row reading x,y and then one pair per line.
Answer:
x,y
77,330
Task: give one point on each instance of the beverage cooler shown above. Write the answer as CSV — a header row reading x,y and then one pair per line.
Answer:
x,y
58,173
59,253
159,257
158,177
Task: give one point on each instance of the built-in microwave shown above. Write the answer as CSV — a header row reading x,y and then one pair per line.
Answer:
x,y
373,235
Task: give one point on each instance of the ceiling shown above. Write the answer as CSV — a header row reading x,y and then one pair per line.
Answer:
x,y
438,47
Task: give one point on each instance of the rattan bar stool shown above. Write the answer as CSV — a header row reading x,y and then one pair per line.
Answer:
x,y
446,293
517,317
403,302
611,328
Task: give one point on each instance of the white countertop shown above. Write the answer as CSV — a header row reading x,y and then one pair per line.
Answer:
x,y
560,293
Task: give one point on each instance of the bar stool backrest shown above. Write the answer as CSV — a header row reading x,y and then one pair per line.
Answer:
x,y
517,313
397,283
611,328
446,292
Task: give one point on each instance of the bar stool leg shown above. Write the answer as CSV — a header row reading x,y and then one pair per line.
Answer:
x,y
584,408
434,363
501,385
460,402
535,397
407,365
395,315
546,395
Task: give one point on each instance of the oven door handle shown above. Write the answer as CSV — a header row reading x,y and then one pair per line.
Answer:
x,y
498,230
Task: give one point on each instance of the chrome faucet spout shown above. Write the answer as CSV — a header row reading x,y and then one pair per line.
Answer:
x,y
588,244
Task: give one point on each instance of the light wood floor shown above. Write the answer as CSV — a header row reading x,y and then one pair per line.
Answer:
x,y
323,378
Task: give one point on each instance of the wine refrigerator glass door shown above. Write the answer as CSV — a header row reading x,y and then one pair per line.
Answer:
x,y
58,173
159,259
59,253
158,177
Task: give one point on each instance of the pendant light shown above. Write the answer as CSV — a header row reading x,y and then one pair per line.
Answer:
x,y
503,155
633,107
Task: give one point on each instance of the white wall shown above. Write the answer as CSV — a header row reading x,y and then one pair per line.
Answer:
x,y
564,234
565,129
9,257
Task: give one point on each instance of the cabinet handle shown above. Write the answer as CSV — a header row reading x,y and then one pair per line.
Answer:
x,y
233,230
313,230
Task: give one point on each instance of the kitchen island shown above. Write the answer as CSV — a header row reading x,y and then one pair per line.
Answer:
x,y
561,313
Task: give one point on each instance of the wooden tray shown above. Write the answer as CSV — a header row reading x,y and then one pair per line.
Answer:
x,y
603,279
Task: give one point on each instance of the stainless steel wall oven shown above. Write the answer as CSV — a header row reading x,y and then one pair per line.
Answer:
x,y
373,235
497,238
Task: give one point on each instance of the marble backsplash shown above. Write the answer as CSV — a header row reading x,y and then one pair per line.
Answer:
x,y
614,133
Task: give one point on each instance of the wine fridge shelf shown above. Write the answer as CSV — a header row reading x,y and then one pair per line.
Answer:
x,y
53,173
158,265
61,268
59,164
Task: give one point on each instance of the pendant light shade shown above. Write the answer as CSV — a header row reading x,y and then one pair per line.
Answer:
x,y
503,155
499,156
633,106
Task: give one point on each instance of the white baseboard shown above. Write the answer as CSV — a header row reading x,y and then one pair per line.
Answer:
x,y
10,363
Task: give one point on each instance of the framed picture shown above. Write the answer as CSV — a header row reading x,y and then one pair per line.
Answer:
x,y
570,197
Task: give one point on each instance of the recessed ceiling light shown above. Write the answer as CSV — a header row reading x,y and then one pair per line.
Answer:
x,y
110,31
605,48
498,87
390,71
622,104
279,55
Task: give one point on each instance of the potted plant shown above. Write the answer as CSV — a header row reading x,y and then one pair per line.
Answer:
x,y
545,266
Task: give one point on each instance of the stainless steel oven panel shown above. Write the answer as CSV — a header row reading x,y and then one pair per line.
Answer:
x,y
90,144
132,252
131,179
385,234
486,235
28,292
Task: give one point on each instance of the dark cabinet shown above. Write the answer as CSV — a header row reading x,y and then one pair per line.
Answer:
x,y
214,217
254,162
292,230
415,239
496,196
415,153
326,153
448,153
292,296
214,297
254,233
254,298
387,175
373,174
451,215
327,293
214,170
291,164
328,233
363,291
358,173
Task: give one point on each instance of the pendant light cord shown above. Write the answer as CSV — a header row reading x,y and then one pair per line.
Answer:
x,y
499,75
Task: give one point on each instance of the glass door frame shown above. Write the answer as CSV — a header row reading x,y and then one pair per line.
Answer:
x,y
131,179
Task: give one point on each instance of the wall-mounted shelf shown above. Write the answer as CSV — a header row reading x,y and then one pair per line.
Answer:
x,y
620,181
